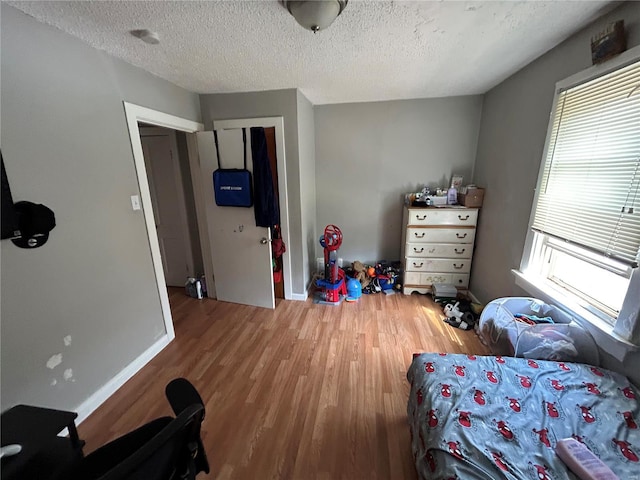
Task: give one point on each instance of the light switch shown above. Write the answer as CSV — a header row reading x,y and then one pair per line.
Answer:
x,y
135,202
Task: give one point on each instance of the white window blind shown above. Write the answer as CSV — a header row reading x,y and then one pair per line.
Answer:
x,y
590,186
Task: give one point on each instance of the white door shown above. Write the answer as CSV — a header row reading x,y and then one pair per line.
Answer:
x,y
169,210
240,251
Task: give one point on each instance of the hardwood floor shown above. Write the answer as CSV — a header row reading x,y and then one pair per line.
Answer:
x,y
301,392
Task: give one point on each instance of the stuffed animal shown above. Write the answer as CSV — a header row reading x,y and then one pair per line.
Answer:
x,y
361,273
458,319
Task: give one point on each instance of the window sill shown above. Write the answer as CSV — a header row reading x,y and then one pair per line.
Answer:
x,y
602,331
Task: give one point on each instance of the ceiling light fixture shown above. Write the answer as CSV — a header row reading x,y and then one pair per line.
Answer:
x,y
147,36
315,15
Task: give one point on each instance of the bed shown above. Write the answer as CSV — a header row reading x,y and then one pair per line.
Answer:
x,y
477,417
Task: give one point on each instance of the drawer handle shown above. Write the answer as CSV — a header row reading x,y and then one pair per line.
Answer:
x,y
421,235
459,252
458,235
466,217
418,266
424,217
418,251
460,280
458,267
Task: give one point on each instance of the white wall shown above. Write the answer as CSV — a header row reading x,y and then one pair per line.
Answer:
x,y
515,116
369,154
65,144
306,143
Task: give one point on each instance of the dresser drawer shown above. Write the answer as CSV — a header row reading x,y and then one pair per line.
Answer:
x,y
442,216
437,277
456,279
416,264
439,250
413,278
460,279
440,235
421,264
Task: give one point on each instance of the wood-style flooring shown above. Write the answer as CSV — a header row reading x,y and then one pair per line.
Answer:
x,y
301,392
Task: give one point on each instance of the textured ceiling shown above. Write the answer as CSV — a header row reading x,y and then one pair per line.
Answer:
x,y
376,50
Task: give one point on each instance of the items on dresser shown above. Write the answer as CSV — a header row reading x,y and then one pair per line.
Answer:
x,y
437,246
420,200
471,196
437,200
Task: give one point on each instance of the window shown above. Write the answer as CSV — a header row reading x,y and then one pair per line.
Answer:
x,y
584,237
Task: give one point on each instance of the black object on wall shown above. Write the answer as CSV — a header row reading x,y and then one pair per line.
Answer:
x,y
27,224
9,218
35,222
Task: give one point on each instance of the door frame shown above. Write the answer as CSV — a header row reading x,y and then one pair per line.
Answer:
x,y
278,124
134,114
179,183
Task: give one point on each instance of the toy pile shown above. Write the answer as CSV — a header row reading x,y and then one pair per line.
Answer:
x,y
459,311
381,277
459,318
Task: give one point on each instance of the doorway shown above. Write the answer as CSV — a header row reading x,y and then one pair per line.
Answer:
x,y
241,251
250,281
167,164
278,264
136,115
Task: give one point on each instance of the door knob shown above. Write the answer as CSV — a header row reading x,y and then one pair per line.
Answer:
x,y
264,241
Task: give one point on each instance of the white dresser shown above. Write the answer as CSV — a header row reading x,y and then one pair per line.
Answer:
x,y
437,246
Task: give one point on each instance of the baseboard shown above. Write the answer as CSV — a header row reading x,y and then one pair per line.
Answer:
x,y
472,296
87,407
301,297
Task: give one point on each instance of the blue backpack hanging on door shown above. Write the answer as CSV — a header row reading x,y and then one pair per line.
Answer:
x,y
232,186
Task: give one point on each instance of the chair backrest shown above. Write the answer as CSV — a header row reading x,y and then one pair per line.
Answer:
x,y
181,393
167,455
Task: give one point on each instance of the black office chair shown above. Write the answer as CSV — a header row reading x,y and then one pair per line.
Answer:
x,y
164,449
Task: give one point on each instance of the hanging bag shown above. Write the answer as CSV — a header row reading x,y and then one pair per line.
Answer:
x,y
277,244
278,248
232,186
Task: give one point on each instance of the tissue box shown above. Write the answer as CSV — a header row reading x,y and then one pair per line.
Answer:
x,y
438,200
473,197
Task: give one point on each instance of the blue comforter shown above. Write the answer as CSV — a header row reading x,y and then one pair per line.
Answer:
x,y
500,418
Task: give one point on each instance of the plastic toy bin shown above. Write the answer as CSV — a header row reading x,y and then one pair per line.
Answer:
x,y
564,340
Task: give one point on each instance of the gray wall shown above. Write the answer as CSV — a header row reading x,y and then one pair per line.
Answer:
x,y
369,154
65,144
272,103
512,135
515,116
306,141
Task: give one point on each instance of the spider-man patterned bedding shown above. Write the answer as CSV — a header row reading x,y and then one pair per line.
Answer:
x,y
474,417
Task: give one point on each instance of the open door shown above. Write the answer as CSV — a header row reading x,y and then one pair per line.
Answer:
x,y
168,200
240,251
